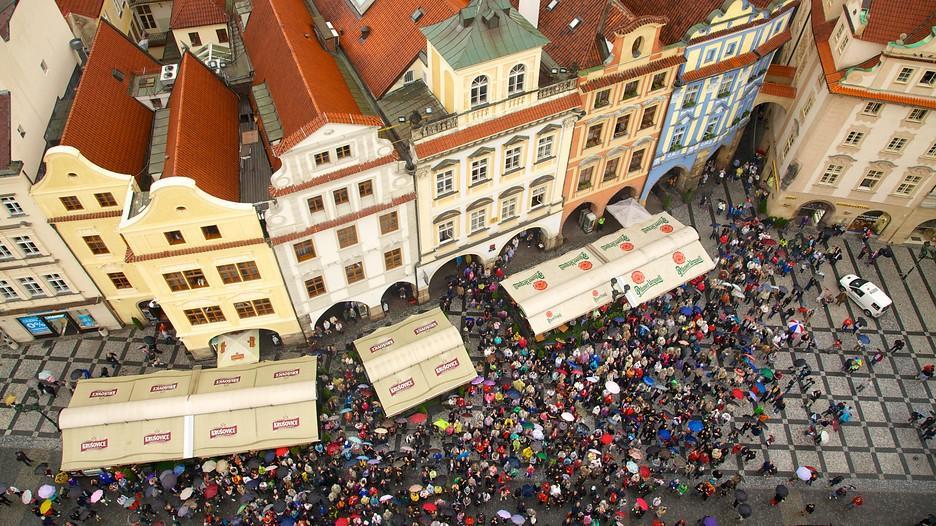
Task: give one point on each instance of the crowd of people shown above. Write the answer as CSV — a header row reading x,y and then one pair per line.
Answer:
x,y
610,418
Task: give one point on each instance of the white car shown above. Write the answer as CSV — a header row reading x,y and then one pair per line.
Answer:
x,y
872,300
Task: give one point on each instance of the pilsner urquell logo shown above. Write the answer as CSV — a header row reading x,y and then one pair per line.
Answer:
x,y
161,388
226,431
622,241
538,276
402,386
683,269
423,328
285,423
451,364
382,345
156,438
94,444
581,258
286,374
227,381
103,393
658,223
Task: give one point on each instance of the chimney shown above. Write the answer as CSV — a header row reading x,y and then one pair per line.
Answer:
x,y
530,10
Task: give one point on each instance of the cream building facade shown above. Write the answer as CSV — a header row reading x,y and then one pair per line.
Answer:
x,y
858,148
45,292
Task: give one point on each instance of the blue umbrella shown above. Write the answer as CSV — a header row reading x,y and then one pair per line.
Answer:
x,y
664,434
288,521
863,338
514,394
179,469
685,311
695,426
648,380
269,456
619,319
760,387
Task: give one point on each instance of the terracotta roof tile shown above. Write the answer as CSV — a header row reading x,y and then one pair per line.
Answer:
x,y
303,79
887,19
633,73
130,257
778,70
86,217
739,61
682,14
6,14
106,124
347,218
498,125
321,120
88,8
6,130
778,90
335,175
203,142
196,13
394,41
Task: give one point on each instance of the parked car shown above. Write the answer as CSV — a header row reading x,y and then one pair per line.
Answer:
x,y
872,300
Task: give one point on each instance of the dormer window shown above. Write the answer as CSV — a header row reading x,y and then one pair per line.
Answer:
x,y
479,91
574,23
515,79
552,5
417,14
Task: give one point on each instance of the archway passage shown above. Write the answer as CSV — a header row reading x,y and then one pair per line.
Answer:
x,y
925,231
577,223
398,297
663,194
340,317
815,212
627,192
447,275
523,249
876,220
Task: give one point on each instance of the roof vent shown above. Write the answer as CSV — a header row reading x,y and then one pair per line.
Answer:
x,y
552,5
574,23
117,74
365,31
417,14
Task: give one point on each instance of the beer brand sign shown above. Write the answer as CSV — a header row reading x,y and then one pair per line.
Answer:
x,y
155,438
227,381
226,431
581,260
423,328
682,268
286,423
103,393
532,279
162,388
382,345
94,444
286,374
642,288
622,241
402,386
662,223
447,366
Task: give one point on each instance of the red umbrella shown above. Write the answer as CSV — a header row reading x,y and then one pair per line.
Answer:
x,y
645,472
343,521
332,448
430,507
606,439
211,491
737,393
282,452
418,418
642,504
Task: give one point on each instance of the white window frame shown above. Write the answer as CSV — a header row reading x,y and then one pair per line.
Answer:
x,y
676,140
917,114
32,287
512,158
509,208
479,171
807,106
27,246
931,151
57,283
516,79
896,145
904,75
8,291
447,180
691,97
853,138
909,185
12,206
872,177
477,220
538,194
872,108
446,232
544,147
479,91
5,253
928,78
831,174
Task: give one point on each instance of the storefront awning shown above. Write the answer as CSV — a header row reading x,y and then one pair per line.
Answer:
x,y
415,360
564,288
172,415
237,348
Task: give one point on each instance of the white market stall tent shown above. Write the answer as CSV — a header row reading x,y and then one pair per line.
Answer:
x,y
417,359
174,415
645,257
628,212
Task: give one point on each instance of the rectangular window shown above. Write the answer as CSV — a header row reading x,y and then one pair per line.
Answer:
x,y
931,152
853,138
831,174
611,169
917,115
105,199
538,197
214,314
593,137
676,141
446,231
445,182
195,316
512,159
195,39
315,286
908,185
897,144
341,196
730,49
365,188
393,259
211,232
343,152
872,108
347,236
843,44
710,129
478,220
928,78
636,161
354,272
244,309
710,55
389,223
724,89
622,125
585,179
145,14
508,208
248,270
5,253
8,291
789,143
904,76
195,278
692,95
175,281
316,204
71,203
12,206
56,283
222,35
659,82
807,106
602,99
263,306
236,273
478,171
250,309
119,280
305,250
31,286
26,245
870,179
630,90
174,237
544,148
647,120
322,158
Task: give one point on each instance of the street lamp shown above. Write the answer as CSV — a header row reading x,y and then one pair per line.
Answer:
x,y
925,253
23,407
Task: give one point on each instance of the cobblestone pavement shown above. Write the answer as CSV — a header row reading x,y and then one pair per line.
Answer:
x,y
878,449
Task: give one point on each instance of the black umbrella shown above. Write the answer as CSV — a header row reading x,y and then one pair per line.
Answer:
x,y
799,362
782,491
740,495
253,463
862,321
886,252
279,506
744,510
75,374
149,340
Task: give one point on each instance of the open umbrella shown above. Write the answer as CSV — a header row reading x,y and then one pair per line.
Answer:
x,y
737,393
695,426
744,510
795,327
76,374
799,362
504,514
209,466
517,519
648,380
803,473
477,380
211,491
782,491
96,496
642,504
567,416
767,372
664,434
740,495
222,466
864,339
442,424
612,387
27,497
418,418
46,376
430,507
45,507
186,493
824,437
167,479
415,488
685,311
46,491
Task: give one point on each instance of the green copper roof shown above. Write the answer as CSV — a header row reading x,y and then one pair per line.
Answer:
x,y
484,30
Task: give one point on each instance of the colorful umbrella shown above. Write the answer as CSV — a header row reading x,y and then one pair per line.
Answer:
x,y
46,491
96,496
209,466
803,473
567,416
612,387
642,504
477,380
504,514
46,376
27,497
695,426
430,507
45,507
418,418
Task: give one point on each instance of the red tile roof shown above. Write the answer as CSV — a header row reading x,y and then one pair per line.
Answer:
x,y
335,175
130,257
887,19
822,30
196,13
394,42
88,8
106,124
203,142
739,61
498,125
6,130
633,73
779,70
347,218
303,79
321,120
682,14
778,90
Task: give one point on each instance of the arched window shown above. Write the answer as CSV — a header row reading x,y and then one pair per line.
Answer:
x,y
637,48
479,91
515,79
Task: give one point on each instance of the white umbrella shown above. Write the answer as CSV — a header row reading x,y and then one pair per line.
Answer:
x,y
97,495
209,466
824,437
567,416
186,493
612,387
46,376
27,497
803,473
